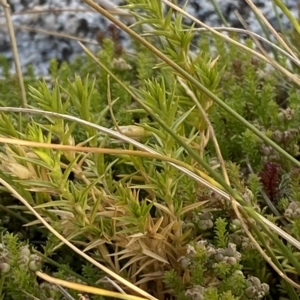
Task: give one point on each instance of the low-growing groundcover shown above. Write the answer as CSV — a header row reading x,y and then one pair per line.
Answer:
x,y
156,209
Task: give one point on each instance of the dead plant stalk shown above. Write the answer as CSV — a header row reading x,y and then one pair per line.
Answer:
x,y
14,47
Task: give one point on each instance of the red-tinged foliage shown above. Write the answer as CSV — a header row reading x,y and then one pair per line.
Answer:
x,y
270,177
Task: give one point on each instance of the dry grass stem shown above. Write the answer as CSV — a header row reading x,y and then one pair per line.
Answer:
x,y
57,34
14,47
209,125
56,11
256,41
250,33
87,289
273,31
110,106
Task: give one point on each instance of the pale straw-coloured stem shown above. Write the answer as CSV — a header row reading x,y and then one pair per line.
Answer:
x,y
14,47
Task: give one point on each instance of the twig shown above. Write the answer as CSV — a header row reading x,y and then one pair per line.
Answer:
x,y
11,31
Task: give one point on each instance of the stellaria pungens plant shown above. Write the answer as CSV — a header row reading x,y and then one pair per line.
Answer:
x,y
153,128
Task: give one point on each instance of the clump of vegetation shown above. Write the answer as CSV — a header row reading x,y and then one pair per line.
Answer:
x,y
174,169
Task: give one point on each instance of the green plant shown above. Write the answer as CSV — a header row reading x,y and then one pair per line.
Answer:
x,y
168,219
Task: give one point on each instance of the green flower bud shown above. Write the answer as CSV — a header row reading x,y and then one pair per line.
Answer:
x,y
235,224
211,250
265,287
209,224
293,205
277,136
297,211
121,64
250,292
238,273
191,251
202,243
293,132
289,114
196,293
202,225
23,262
25,251
185,262
134,132
206,216
4,268
281,116
231,250
288,213
35,262
265,150
231,261
253,281
219,257
34,265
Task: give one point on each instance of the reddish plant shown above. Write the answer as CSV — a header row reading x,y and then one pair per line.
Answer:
x,y
270,178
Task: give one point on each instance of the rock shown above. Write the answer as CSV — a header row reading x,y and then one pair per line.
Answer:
x,y
38,48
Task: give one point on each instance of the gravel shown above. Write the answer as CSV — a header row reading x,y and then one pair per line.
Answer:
x,y
38,48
